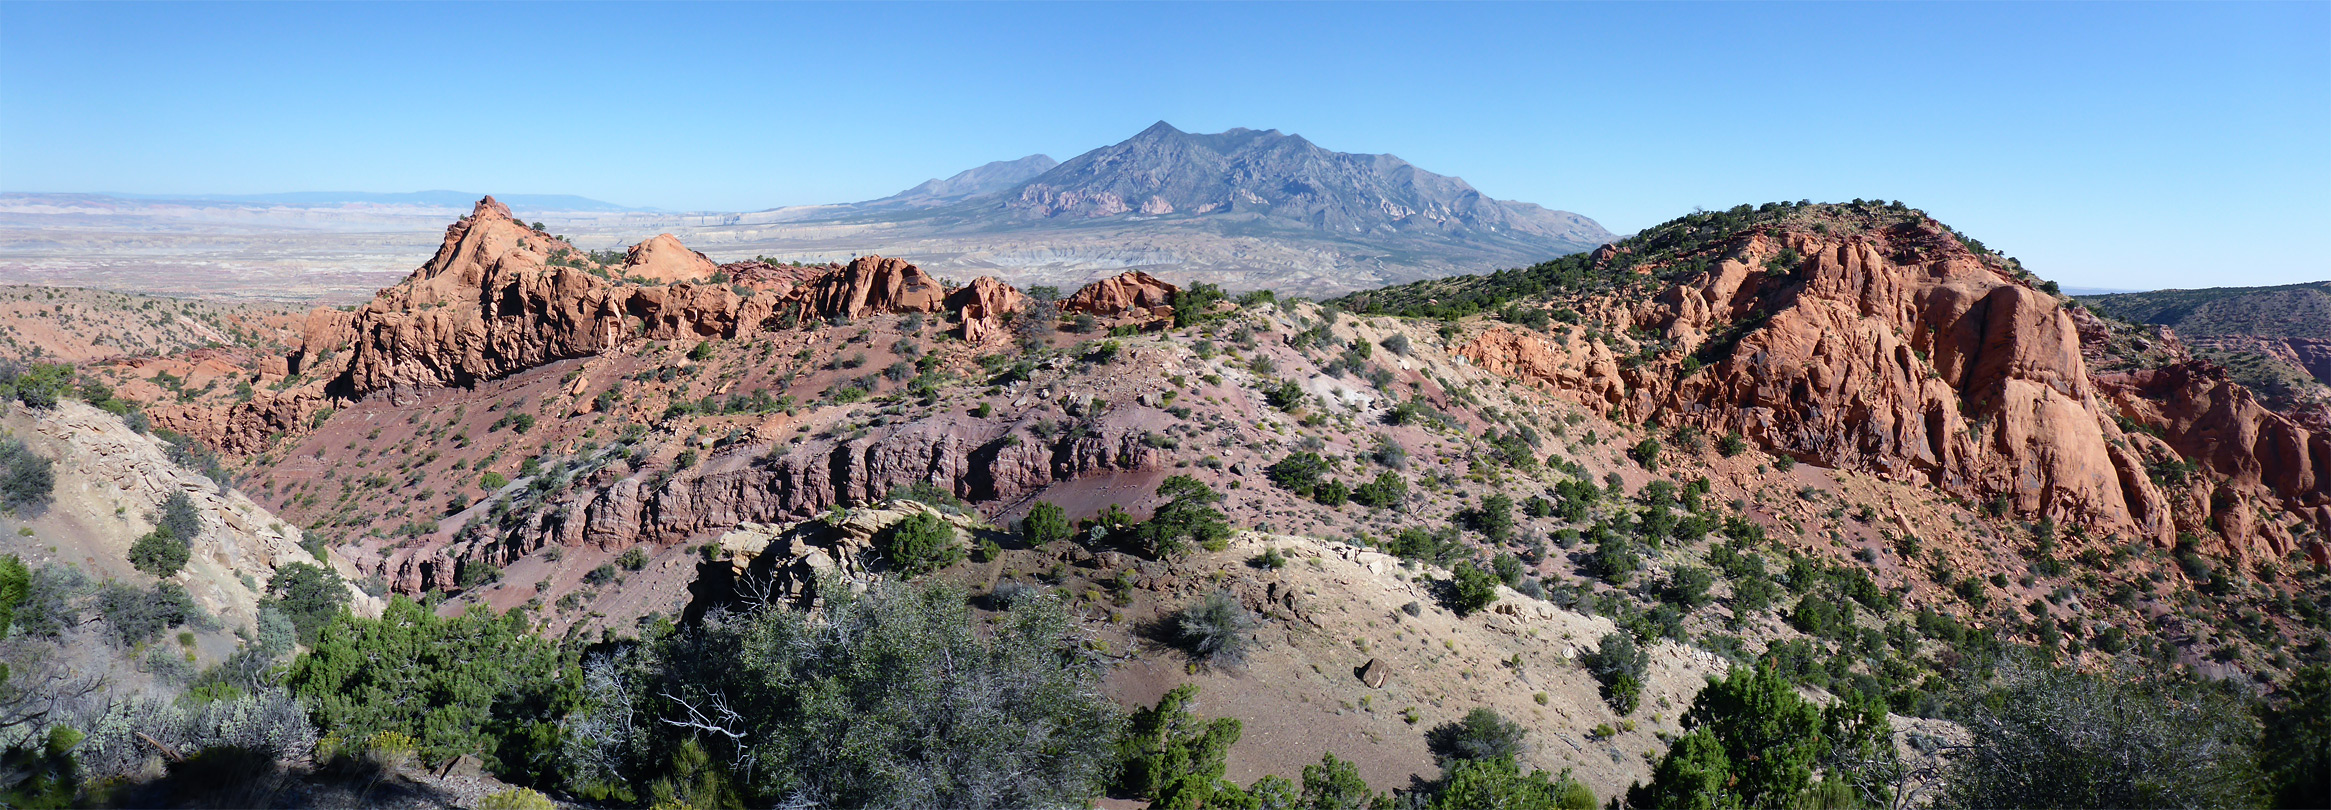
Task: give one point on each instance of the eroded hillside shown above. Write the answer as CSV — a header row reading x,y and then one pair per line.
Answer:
x,y
1844,441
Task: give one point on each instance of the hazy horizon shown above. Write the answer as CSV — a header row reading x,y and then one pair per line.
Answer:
x,y
2115,146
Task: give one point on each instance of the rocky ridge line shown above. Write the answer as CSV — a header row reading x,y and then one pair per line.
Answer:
x,y
1901,353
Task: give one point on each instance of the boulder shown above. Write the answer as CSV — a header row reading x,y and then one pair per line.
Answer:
x,y
873,285
983,307
664,260
1129,293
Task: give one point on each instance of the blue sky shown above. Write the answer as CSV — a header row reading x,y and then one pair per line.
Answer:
x,y
2105,144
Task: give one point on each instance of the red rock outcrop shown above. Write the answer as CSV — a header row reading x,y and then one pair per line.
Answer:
x,y
976,459
664,260
983,308
2254,455
871,285
494,302
489,304
780,279
499,298
246,427
326,330
1896,352
1131,292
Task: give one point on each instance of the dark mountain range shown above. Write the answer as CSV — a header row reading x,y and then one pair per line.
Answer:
x,y
1282,180
1244,208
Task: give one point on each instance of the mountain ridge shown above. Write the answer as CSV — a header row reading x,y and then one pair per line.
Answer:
x,y
1282,179
987,178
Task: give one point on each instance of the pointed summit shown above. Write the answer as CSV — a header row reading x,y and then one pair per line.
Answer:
x,y
489,205
1160,129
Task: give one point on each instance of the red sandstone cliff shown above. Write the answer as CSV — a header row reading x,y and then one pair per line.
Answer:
x,y
500,297
1901,353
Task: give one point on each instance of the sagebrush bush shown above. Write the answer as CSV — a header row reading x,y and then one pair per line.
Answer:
x,y
26,479
268,720
1216,630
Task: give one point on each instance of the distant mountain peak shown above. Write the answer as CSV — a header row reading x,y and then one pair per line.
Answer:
x,y
1285,180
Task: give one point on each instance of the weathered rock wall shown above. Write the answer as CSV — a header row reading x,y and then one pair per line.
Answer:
x,y
1899,353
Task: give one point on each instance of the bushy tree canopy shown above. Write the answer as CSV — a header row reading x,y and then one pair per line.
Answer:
x,y
895,697
472,684
1187,518
2047,737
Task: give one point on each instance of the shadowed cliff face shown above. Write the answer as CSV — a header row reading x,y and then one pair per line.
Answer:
x,y
1901,353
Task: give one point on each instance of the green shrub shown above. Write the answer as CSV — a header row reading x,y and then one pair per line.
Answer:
x,y
1732,444
1387,491
1195,304
1046,522
920,544
1538,507
2296,745
471,684
180,517
133,616
1619,666
1688,587
309,596
2046,737
1286,396
1500,783
632,559
1765,739
1646,453
1270,559
1187,518
521,798
1298,472
1614,559
1471,589
1172,758
1331,493
160,553
1483,734
1495,517
40,385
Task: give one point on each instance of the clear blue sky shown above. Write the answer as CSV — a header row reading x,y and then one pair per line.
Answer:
x,y
2106,144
